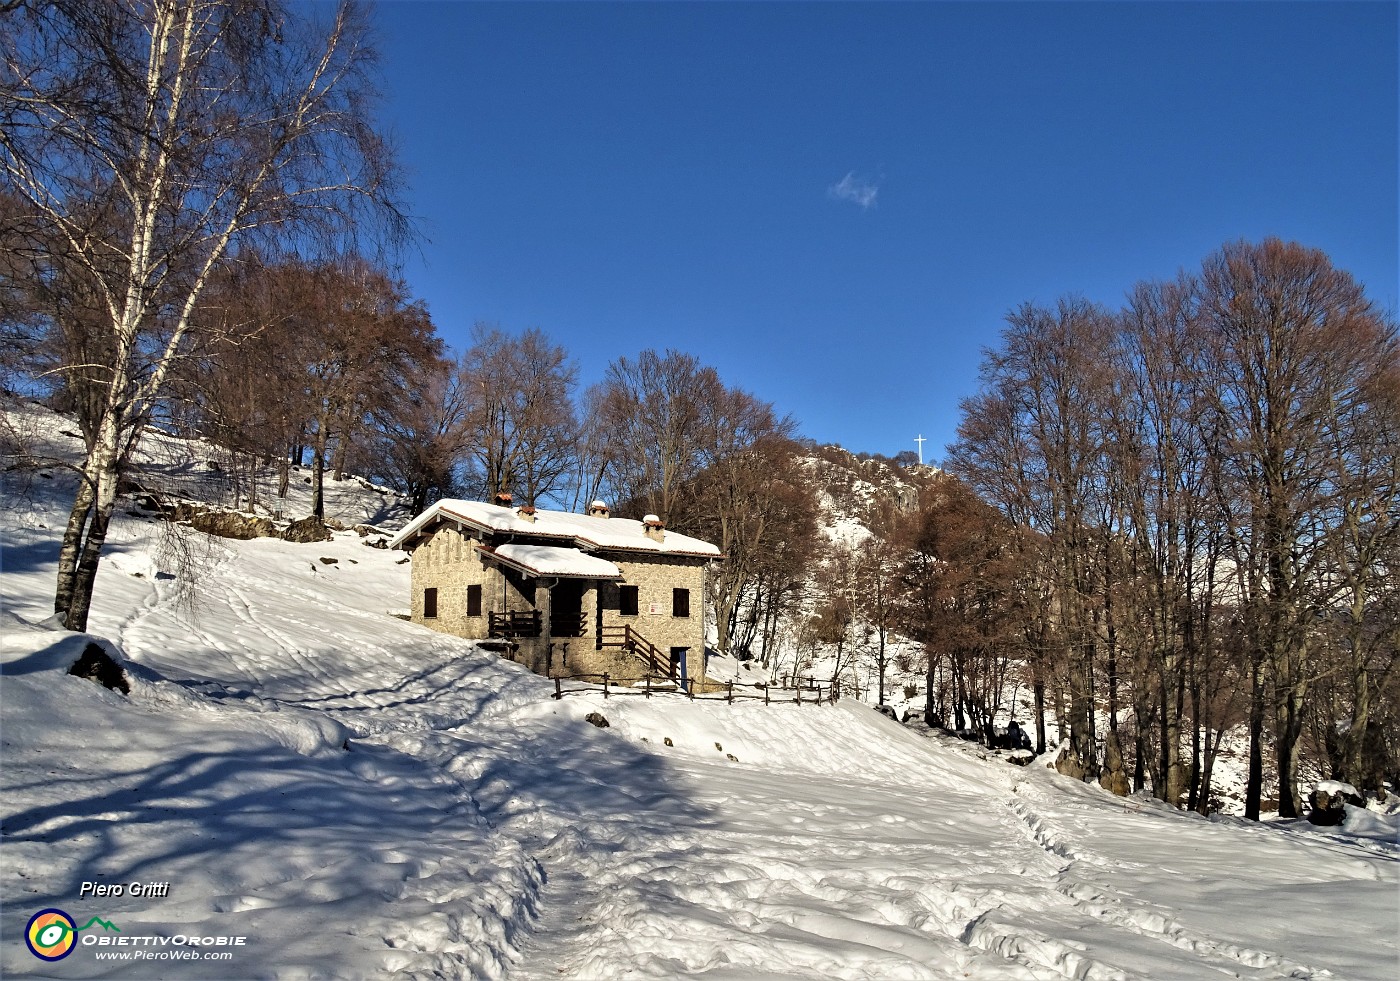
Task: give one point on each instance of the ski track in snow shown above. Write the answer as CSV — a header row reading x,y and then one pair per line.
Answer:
x,y
478,828
1138,917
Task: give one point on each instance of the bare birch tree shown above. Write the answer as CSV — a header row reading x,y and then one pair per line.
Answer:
x,y
149,142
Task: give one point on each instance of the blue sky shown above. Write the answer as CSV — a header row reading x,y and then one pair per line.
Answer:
x,y
836,204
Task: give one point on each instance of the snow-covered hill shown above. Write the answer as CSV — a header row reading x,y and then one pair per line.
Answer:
x,y
359,797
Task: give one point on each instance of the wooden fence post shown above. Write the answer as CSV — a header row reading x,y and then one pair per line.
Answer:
x,y
648,686
558,689
731,693
799,694
765,695
605,686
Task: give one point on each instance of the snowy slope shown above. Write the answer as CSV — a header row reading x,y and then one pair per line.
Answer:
x,y
361,797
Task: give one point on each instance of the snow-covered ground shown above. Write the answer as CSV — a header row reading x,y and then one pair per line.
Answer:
x,y
359,797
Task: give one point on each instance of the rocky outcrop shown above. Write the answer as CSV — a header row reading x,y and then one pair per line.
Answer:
x,y
373,537
1070,765
232,524
1327,805
1326,810
97,665
1114,777
311,529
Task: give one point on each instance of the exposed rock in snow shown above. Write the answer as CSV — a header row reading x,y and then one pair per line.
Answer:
x,y
97,665
305,530
231,524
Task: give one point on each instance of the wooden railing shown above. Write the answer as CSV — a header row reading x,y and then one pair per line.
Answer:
x,y
627,639
803,691
568,625
512,625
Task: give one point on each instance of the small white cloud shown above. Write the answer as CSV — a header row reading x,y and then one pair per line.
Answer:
x,y
857,190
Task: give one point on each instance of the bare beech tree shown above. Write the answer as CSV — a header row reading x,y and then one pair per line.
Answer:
x,y
149,142
746,500
716,462
1364,557
1213,474
1297,350
522,431
589,471
359,344
655,413
1158,450
420,439
965,601
1044,401
879,566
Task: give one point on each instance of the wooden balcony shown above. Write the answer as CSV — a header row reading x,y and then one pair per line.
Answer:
x,y
509,626
568,625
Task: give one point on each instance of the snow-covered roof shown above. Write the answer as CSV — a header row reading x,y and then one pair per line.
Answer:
x,y
588,532
554,560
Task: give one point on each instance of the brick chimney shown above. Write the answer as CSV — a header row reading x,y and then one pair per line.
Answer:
x,y
599,510
653,528
503,499
527,512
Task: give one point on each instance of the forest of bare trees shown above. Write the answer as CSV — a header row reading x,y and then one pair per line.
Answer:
x,y
1208,479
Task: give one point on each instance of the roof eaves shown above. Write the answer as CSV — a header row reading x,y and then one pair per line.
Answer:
x,y
532,571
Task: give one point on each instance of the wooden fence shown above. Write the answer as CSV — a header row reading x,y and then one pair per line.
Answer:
x,y
803,690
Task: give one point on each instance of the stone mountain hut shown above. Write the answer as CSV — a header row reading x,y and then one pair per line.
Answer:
x,y
564,594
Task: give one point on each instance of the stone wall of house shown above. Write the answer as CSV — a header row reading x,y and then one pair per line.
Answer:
x,y
655,577
448,562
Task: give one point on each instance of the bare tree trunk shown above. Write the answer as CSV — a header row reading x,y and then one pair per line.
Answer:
x,y
881,664
72,546
1289,719
318,480
1170,750
1193,794
81,604
1212,750
930,714
1038,683
105,459
1254,783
